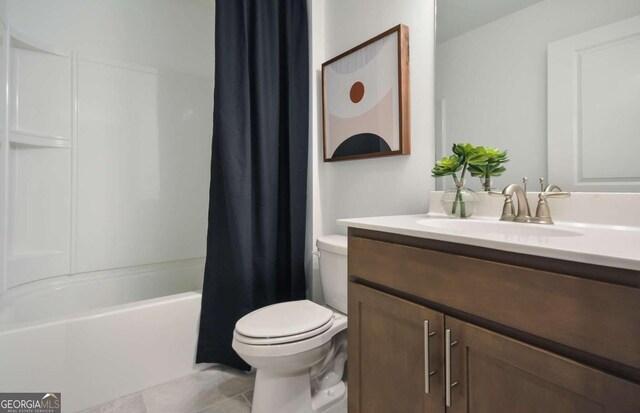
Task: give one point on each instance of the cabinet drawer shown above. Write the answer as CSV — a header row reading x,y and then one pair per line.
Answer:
x,y
592,316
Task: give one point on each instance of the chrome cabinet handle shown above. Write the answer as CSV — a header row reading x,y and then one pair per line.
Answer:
x,y
427,371
447,361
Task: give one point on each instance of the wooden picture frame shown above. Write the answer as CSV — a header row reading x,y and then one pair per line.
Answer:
x,y
365,99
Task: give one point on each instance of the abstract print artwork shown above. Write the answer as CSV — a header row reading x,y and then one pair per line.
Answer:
x,y
366,99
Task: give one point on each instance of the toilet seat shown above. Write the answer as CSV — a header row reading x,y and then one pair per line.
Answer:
x,y
267,341
284,321
338,323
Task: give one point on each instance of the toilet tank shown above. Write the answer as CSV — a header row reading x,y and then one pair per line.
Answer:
x,y
333,270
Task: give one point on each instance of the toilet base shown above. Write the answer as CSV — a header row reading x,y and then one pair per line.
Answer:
x,y
290,392
325,399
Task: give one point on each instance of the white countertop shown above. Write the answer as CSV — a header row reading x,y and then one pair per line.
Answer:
x,y
608,245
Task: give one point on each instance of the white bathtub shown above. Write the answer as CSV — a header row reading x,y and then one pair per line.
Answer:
x,y
95,337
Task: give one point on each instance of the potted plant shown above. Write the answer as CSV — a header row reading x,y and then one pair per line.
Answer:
x,y
461,202
491,167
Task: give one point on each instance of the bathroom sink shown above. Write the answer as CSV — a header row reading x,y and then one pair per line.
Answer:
x,y
611,245
480,227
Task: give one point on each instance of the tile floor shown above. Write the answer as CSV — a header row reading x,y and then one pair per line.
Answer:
x,y
217,389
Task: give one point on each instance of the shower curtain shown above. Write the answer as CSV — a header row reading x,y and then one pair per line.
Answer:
x,y
257,199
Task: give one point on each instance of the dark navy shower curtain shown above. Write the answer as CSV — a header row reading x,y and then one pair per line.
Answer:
x,y
256,235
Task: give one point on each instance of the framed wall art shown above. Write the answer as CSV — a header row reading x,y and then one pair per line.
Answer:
x,y
365,99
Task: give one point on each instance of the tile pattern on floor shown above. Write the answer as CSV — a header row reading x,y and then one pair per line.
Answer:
x,y
217,389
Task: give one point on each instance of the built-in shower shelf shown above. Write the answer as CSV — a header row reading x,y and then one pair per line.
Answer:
x,y
37,159
37,139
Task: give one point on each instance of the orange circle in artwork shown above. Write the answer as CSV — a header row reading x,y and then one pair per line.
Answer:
x,y
357,92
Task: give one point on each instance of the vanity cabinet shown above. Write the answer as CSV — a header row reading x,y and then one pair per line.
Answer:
x,y
541,336
398,342
495,373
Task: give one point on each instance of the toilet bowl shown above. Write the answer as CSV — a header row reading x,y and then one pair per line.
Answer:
x,y
299,348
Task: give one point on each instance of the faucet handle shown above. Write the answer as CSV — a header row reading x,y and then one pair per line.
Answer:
x,y
524,183
552,188
541,181
508,210
554,194
543,214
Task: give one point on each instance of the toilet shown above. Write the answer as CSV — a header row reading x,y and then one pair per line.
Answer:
x,y
299,348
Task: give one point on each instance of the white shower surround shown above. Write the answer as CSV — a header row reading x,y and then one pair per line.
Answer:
x,y
105,146
102,335
119,134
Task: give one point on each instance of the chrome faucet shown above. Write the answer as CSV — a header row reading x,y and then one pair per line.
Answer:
x,y
543,215
524,213
508,211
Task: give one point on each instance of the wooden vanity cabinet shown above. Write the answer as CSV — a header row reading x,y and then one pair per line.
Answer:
x,y
494,367
497,374
392,336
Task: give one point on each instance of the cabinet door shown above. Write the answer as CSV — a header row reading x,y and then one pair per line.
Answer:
x,y
388,340
492,373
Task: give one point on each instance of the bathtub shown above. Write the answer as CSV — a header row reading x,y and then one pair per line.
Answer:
x,y
95,337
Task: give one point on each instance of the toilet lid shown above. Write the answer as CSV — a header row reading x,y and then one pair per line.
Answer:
x,y
284,319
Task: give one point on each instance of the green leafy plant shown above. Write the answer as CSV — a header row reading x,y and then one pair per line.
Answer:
x,y
491,167
465,156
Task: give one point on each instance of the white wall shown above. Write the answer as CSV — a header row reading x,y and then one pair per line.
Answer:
x,y
4,152
315,11
369,187
144,144
167,34
136,149
3,10
383,186
494,80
